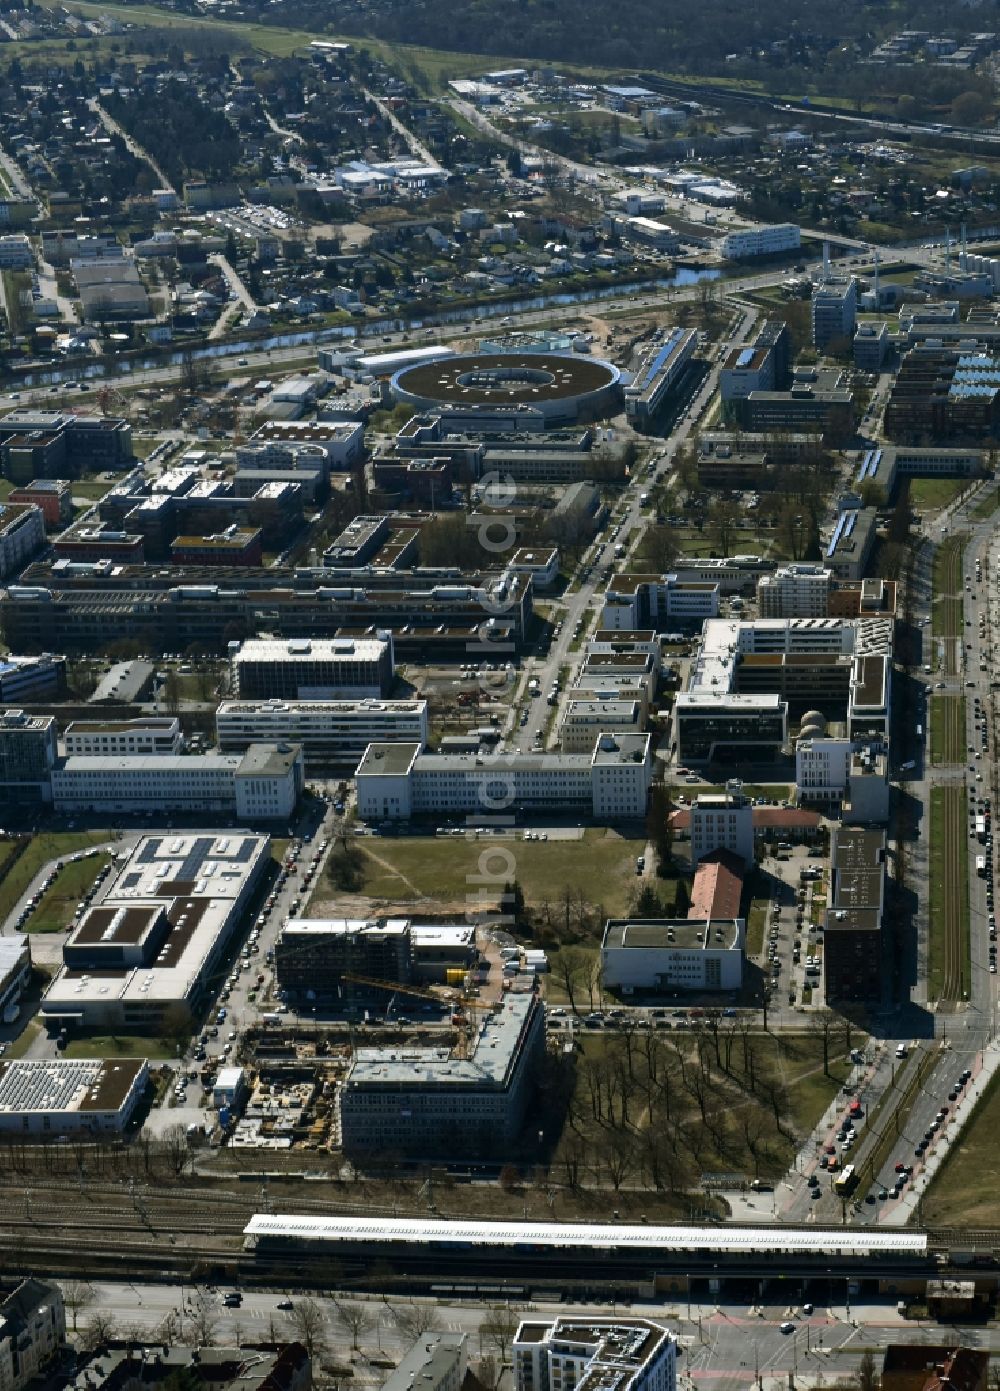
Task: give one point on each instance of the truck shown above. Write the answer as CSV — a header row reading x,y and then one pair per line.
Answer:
x,y
534,686
981,866
981,829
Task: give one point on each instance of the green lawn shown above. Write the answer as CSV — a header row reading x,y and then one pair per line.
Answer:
x,y
928,494
55,912
449,869
966,1188
986,506
948,727
92,488
756,926
49,845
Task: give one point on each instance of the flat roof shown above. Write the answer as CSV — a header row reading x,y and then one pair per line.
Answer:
x,y
493,1051
814,1241
198,880
311,649
672,934
65,1085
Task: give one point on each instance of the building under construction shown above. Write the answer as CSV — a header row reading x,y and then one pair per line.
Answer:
x,y
463,1103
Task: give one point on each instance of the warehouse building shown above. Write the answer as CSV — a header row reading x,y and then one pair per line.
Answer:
x,y
67,1096
333,734
428,1101
314,668
150,946
649,955
397,781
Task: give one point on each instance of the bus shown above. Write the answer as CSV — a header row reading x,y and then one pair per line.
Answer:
x,y
844,1183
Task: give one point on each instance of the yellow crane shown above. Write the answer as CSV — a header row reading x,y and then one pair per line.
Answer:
x,y
462,1018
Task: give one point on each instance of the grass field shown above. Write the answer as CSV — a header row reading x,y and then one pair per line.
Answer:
x,y
987,505
50,845
55,912
949,963
947,729
966,1188
601,867
756,926
948,604
928,494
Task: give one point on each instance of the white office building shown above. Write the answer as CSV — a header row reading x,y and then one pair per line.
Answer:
x,y
800,590
761,241
396,781
822,768
263,784
333,733
673,954
594,1354
149,734
722,821
585,717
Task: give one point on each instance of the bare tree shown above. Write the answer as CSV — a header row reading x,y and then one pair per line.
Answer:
x,y
202,1323
415,1319
99,1331
498,1328
77,1296
356,1318
867,1374
309,1322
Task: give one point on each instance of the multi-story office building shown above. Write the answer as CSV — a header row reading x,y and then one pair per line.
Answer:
x,y
800,590
722,821
430,1102
708,724
314,669
852,542
15,967
594,1354
852,947
312,956
263,784
761,241
660,601
586,716
28,752
659,373
834,310
31,678
53,495
22,536
396,781
32,1332
148,734
333,734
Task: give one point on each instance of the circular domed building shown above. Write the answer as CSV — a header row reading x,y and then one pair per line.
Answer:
x,y
564,387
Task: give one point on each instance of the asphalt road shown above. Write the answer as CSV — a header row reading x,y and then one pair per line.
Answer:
x,y
730,1343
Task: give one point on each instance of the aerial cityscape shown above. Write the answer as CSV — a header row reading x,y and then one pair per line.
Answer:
x,y
499,685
